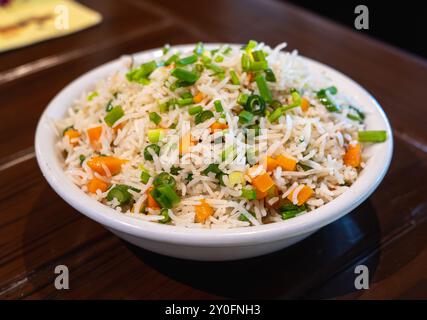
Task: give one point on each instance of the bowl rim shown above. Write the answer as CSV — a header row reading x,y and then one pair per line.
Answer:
x,y
361,189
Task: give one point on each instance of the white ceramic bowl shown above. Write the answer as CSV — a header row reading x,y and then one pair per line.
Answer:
x,y
211,244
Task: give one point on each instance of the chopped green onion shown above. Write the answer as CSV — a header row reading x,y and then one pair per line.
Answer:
x,y
250,46
189,177
82,158
359,116
186,95
121,193
113,115
242,217
145,176
203,116
92,95
195,110
234,178
153,147
258,65
245,116
155,135
219,59
324,99
246,62
173,58
229,152
187,60
218,106
242,99
140,74
269,75
276,114
109,105
214,168
184,102
199,67
289,211
187,76
164,178
154,117
263,88
175,170
165,196
165,213
164,107
234,78
165,49
372,136
215,68
227,50
258,55
255,104
249,194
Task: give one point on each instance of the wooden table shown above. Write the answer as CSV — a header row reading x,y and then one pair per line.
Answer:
x,y
39,231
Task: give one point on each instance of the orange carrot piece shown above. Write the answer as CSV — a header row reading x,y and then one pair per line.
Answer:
x,y
250,76
218,126
198,97
286,163
263,182
304,104
353,156
112,163
151,203
94,134
271,163
97,184
304,194
203,211
72,134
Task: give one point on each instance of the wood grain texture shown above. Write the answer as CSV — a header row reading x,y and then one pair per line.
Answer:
x,y
38,230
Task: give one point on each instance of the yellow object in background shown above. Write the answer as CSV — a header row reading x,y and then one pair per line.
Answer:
x,y
24,22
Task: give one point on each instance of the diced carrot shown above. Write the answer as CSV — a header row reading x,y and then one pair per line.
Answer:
x,y
353,156
97,184
304,104
203,211
304,194
260,195
185,143
151,203
271,163
198,97
72,134
286,163
94,134
119,126
218,126
112,163
263,182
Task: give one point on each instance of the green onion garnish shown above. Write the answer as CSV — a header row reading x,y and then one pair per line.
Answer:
x,y
372,136
184,102
141,74
258,65
246,62
214,168
173,58
245,116
258,55
82,158
121,193
155,135
276,114
175,170
234,78
203,116
92,95
249,194
186,95
289,211
145,176
154,117
263,88
164,178
242,99
165,196
269,75
164,107
218,106
165,213
187,76
219,59
255,104
324,99
113,115
153,147
195,110
187,60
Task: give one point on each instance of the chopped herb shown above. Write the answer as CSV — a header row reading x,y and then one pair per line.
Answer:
x,y
372,136
154,117
218,106
203,116
113,115
153,147
175,170
92,95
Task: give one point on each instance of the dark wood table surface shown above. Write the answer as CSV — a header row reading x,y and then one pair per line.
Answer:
x,y
39,231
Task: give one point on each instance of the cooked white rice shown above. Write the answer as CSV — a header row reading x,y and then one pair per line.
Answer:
x,y
315,138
